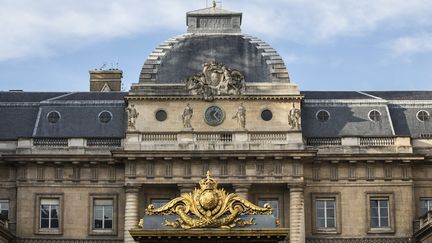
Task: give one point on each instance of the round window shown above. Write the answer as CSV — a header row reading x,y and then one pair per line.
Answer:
x,y
323,116
266,115
105,116
423,115
53,117
375,115
161,115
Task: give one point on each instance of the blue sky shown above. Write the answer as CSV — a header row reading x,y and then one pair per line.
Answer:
x,y
49,45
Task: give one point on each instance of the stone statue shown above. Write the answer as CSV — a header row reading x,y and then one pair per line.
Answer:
x,y
294,118
215,79
241,116
187,116
132,116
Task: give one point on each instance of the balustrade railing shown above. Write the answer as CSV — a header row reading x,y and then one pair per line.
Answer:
x,y
267,137
214,137
103,142
323,141
377,141
50,142
159,137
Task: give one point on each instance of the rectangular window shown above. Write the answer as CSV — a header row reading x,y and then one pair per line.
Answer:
x,y
325,213
379,213
425,205
103,214
4,209
274,204
49,213
157,203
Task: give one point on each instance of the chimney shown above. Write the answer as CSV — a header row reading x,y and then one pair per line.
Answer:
x,y
105,80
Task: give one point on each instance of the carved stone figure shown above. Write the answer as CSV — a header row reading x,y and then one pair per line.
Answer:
x,y
132,116
187,116
294,118
215,79
241,116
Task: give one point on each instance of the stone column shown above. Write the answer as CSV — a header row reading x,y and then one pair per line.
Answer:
x,y
297,217
131,212
242,190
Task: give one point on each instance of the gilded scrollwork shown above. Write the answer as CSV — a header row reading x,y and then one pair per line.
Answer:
x,y
215,79
209,207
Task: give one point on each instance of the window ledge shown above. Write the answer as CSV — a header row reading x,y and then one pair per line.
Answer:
x,y
381,231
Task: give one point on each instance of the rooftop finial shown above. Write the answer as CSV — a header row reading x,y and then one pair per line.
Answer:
x,y
214,3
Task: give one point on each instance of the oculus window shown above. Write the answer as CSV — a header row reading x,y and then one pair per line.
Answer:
x,y
323,116
423,116
53,117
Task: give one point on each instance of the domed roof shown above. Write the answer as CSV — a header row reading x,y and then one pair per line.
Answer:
x,y
214,35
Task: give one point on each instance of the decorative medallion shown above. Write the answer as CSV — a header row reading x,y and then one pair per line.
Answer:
x,y
214,116
215,79
209,207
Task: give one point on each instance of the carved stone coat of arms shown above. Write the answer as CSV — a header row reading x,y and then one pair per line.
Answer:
x,y
215,79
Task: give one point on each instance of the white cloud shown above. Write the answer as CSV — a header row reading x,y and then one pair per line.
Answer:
x,y
44,27
410,45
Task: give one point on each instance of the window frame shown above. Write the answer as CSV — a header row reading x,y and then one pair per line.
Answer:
x,y
391,213
273,196
338,213
317,117
421,199
8,209
96,231
48,231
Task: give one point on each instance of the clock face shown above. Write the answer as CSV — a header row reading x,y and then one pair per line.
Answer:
x,y
214,116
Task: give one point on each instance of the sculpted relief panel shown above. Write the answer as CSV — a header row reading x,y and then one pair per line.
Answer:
x,y
215,79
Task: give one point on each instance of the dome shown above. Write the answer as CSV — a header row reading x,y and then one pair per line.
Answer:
x,y
213,36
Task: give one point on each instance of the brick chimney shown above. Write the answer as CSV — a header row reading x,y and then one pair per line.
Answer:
x,y
105,80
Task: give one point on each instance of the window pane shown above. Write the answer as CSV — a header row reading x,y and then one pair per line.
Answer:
x,y
98,223
98,212
108,224
54,223
319,204
330,213
383,203
331,223
374,222
320,223
44,211
320,213
374,212
384,222
374,203
54,212
44,223
108,212
384,212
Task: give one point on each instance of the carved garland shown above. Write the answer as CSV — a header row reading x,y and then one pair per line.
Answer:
x,y
208,207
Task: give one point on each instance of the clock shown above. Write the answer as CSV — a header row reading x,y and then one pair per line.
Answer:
x,y
214,116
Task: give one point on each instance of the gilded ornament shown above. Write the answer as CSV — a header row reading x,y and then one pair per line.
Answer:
x,y
209,207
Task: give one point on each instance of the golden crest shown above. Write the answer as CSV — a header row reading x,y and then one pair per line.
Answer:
x,y
209,207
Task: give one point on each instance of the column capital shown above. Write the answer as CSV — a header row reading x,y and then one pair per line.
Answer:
x,y
132,188
240,186
296,186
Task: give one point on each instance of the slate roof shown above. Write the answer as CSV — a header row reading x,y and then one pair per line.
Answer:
x,y
334,95
24,114
402,95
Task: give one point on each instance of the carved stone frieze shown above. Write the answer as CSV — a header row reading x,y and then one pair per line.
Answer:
x,y
215,79
360,240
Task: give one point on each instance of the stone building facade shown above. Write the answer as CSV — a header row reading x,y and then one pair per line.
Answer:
x,y
335,166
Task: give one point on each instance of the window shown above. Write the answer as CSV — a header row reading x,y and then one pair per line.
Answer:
x,y
103,220
326,216
4,209
103,214
274,204
423,115
379,209
157,203
374,115
266,115
425,205
323,116
105,116
325,213
49,214
53,117
379,213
